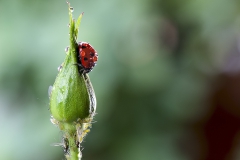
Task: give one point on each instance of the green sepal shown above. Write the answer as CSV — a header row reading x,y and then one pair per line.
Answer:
x,y
78,24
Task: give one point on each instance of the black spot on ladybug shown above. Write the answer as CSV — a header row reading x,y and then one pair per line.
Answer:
x,y
84,47
92,54
85,58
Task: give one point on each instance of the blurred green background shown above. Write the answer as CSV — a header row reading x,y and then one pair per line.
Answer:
x,y
167,80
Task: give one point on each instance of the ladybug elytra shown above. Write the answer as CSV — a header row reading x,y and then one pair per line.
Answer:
x,y
87,57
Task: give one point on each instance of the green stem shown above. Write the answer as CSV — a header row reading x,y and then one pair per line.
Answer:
x,y
73,148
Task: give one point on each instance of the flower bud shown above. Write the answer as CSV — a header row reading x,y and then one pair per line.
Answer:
x,y
72,97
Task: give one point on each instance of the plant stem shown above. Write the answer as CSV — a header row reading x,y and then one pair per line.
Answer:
x,y
73,148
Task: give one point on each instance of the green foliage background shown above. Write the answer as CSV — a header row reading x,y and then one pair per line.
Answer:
x,y
157,64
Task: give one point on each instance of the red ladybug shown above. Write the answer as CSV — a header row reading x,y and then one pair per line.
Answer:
x,y
87,57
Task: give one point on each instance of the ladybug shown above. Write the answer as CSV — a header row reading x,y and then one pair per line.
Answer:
x,y
87,57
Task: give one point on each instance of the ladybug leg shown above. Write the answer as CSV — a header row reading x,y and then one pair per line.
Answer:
x,y
78,64
83,71
80,70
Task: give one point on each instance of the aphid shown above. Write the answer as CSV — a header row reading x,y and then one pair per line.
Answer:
x,y
65,145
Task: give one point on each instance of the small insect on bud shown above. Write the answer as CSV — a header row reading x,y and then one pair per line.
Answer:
x,y
87,57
